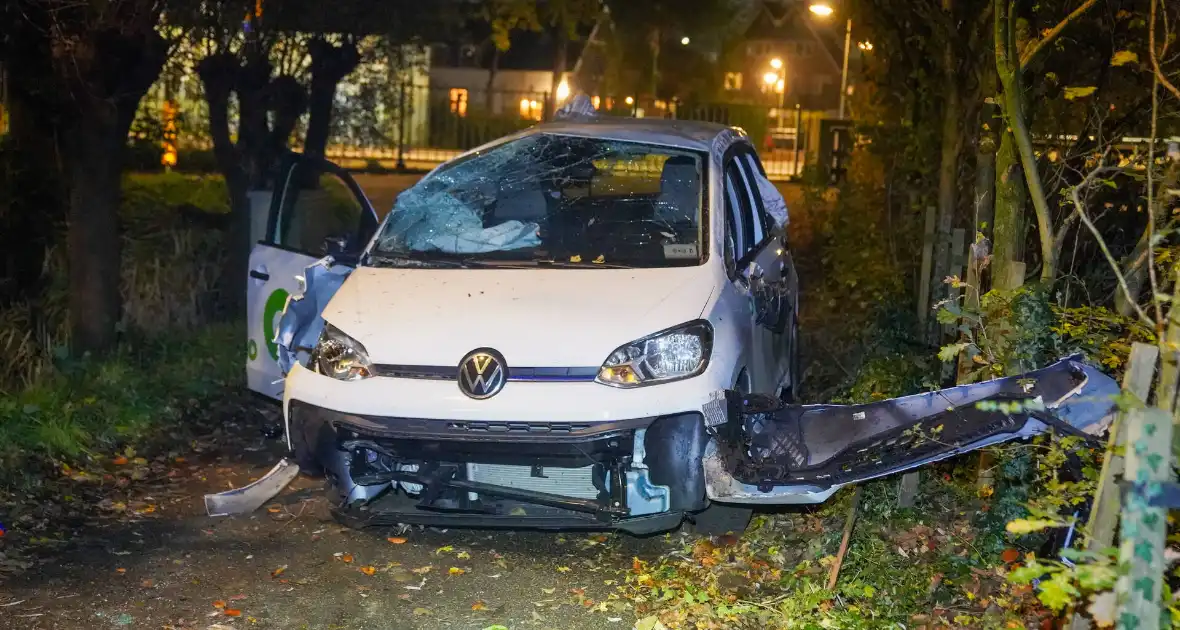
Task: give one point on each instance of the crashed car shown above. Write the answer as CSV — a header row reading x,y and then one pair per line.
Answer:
x,y
588,324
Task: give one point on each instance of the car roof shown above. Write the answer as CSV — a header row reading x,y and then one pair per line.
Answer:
x,y
682,134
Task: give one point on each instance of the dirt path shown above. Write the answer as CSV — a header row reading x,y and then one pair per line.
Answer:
x,y
162,563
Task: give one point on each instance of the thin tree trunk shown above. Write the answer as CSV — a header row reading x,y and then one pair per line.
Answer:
x,y
984,200
219,73
948,169
493,69
1008,234
559,61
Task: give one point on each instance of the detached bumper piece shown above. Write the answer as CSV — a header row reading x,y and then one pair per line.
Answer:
x,y
612,475
765,444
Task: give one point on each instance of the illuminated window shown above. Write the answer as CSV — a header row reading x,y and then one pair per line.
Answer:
x,y
597,101
733,80
530,109
459,101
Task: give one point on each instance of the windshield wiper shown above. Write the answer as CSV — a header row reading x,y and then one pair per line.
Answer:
x,y
565,264
382,260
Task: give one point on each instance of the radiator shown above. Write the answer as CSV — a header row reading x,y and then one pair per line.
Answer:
x,y
567,482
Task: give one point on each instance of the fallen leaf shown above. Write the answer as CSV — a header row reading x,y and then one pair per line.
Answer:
x,y
423,570
120,570
1010,555
1072,93
1103,607
279,571
274,508
233,612
456,571
563,569
422,612
548,591
396,540
147,584
369,570
463,555
479,605
119,461
446,549
346,557
219,604
1124,57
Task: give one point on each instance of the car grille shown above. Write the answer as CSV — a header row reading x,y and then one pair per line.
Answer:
x,y
567,482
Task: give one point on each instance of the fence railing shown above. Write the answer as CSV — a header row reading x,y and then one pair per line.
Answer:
x,y
430,125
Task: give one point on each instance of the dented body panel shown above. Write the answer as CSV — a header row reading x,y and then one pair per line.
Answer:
x,y
767,453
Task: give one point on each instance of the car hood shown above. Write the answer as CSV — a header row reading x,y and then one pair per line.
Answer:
x,y
534,317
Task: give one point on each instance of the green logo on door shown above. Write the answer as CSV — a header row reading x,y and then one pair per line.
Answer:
x,y
274,305
252,350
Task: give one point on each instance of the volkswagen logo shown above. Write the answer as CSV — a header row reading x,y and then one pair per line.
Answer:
x,y
482,374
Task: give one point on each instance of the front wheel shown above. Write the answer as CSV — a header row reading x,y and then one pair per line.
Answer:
x,y
719,519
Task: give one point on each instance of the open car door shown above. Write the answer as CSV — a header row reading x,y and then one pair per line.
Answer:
x,y
766,452
317,211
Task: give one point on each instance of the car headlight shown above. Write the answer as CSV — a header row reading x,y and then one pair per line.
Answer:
x,y
669,355
340,356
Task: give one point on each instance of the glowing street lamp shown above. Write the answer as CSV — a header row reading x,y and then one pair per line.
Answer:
x,y
776,63
821,9
824,9
563,90
629,100
770,78
684,41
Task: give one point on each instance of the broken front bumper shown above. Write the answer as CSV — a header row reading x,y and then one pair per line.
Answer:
x,y
768,453
638,475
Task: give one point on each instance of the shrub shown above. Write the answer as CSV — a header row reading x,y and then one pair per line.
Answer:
x,y
172,261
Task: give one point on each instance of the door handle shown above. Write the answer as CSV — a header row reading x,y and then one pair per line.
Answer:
x,y
259,274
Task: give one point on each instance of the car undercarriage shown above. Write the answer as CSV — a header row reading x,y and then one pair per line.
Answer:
x,y
647,474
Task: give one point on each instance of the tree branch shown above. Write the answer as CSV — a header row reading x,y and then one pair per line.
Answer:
x,y
1031,54
1155,62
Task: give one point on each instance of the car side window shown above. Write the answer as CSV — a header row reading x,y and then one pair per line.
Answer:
x,y
753,169
317,205
740,231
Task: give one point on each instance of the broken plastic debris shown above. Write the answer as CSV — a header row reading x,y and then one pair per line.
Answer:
x,y
249,498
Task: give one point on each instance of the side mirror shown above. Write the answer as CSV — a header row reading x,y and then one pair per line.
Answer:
x,y
335,246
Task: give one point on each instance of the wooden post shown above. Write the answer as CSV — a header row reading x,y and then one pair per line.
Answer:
x,y
954,268
907,489
1144,528
1104,517
974,280
927,265
1107,502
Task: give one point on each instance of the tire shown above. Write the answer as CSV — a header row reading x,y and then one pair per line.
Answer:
x,y
718,520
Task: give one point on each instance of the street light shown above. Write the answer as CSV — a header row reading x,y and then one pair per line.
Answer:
x,y
824,9
776,63
684,41
770,78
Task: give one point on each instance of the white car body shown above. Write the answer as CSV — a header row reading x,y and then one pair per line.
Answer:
x,y
420,320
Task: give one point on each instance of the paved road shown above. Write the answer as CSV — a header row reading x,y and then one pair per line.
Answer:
x,y
167,568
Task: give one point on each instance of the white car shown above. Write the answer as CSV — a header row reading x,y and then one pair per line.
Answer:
x,y
537,333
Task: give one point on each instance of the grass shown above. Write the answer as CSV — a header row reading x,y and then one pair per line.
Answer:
x,y
91,406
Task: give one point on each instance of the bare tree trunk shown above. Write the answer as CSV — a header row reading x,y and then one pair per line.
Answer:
x,y
559,61
108,90
1008,234
329,65
984,201
488,93
219,73
94,246
948,168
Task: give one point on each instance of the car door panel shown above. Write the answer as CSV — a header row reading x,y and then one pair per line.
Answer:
x,y
767,452
318,204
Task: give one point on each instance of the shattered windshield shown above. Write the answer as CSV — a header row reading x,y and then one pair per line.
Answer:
x,y
553,199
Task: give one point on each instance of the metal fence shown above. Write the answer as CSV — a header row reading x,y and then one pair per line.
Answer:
x,y
429,125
